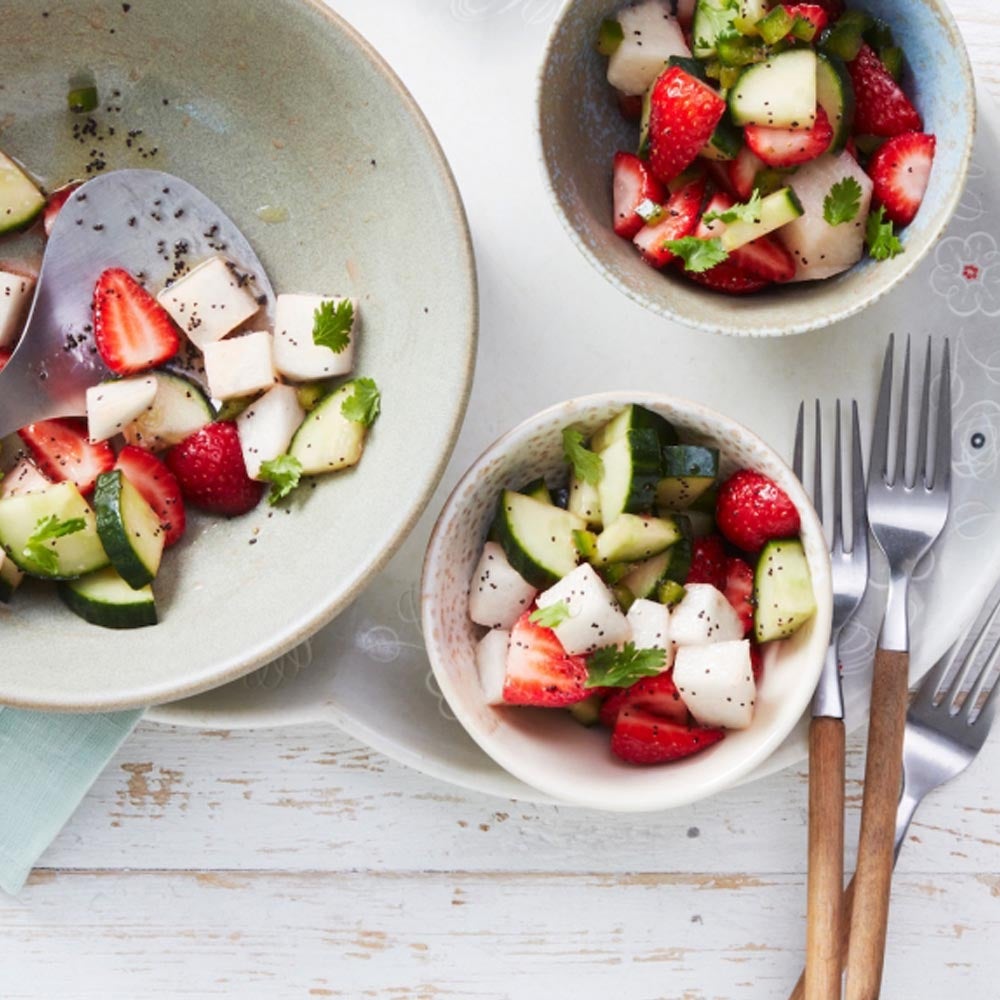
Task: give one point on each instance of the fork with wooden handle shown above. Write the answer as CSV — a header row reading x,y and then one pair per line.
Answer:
x,y
849,572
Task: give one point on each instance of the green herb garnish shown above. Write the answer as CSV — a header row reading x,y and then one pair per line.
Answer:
x,y
613,667
748,211
48,529
697,254
283,473
883,243
843,202
586,464
552,616
365,404
609,36
332,323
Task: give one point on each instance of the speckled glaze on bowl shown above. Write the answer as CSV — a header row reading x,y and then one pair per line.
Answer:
x,y
547,749
580,128
277,110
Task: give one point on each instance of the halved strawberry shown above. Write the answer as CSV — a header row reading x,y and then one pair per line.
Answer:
x,y
752,509
681,215
832,8
881,106
788,147
683,114
743,172
900,171
658,695
132,330
611,706
630,105
812,12
765,258
739,590
63,451
756,662
158,486
539,672
708,561
55,202
632,184
729,278
641,737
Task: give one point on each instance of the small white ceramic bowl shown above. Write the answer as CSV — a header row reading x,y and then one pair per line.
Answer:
x,y
546,748
580,127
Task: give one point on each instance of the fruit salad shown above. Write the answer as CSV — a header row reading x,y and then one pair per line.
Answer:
x,y
638,590
776,142
203,407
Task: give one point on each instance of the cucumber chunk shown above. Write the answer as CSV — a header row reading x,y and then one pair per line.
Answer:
x,y
630,537
643,579
835,95
104,598
537,489
782,590
712,19
20,201
688,471
588,711
726,141
179,408
776,210
327,441
585,501
129,529
748,15
777,93
634,417
537,538
670,593
10,578
632,468
75,554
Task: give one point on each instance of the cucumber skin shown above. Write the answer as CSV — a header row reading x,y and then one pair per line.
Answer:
x,y
532,571
537,489
647,469
842,129
113,531
765,579
138,615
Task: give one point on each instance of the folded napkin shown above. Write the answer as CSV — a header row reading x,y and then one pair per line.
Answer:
x,y
47,763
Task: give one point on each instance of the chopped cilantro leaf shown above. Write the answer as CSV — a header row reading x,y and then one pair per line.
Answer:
x,y
551,617
882,242
843,202
365,404
332,323
47,530
586,465
613,667
748,211
698,254
284,474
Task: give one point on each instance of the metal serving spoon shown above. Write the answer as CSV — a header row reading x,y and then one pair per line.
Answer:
x,y
154,225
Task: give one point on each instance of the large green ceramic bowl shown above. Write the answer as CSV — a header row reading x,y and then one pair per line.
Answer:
x,y
283,115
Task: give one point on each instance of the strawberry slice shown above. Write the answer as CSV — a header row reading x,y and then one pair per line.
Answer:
x,y
55,202
788,147
658,695
729,278
900,171
632,184
812,12
739,590
881,106
743,172
132,330
641,737
680,218
630,105
539,671
708,561
765,258
611,706
211,472
683,114
158,486
756,662
832,8
63,451
752,509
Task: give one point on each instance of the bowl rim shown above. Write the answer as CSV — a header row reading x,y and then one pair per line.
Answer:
x,y
306,622
671,796
852,304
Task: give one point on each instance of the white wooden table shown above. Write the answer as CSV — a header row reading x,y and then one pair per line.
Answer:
x,y
298,863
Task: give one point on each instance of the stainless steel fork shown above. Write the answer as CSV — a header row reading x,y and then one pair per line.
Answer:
x,y
849,569
907,513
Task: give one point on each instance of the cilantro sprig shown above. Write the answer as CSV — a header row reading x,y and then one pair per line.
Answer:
x,y
883,243
284,473
586,464
332,324
748,211
697,254
38,548
613,667
552,616
843,202
365,404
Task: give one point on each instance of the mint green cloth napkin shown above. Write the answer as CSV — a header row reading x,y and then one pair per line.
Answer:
x,y
47,763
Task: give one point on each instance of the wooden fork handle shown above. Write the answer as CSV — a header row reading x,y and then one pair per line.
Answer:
x,y
824,920
883,780
847,906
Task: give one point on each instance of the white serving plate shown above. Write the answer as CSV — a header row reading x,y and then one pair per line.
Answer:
x,y
552,329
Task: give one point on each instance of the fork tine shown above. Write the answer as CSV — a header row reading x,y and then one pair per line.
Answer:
x,y
879,461
859,522
899,475
838,488
923,458
989,706
962,674
799,430
942,457
818,465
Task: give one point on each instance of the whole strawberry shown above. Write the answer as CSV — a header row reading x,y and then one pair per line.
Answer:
x,y
708,562
210,469
751,510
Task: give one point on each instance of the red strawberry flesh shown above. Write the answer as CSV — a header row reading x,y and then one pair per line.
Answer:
x,y
54,205
642,737
63,451
789,147
632,184
158,487
539,671
680,218
900,171
739,590
683,114
752,509
881,106
708,561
